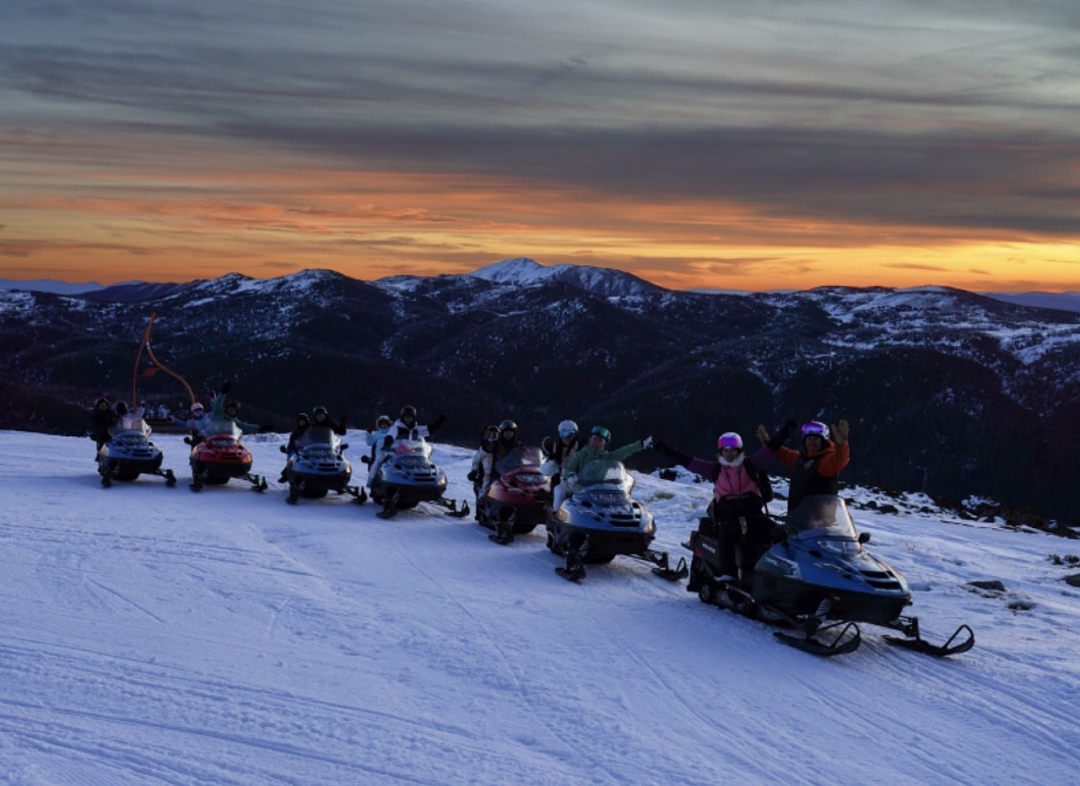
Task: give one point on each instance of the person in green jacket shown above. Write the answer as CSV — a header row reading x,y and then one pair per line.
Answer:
x,y
596,448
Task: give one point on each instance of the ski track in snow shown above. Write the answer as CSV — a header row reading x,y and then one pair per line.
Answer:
x,y
151,635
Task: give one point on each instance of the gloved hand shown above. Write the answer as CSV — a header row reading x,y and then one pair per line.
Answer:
x,y
387,442
547,444
473,476
647,443
226,387
763,434
556,479
840,432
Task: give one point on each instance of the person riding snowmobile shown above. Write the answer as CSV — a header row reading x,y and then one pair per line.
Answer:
x,y
129,421
229,410
814,468
376,436
558,451
197,423
102,418
596,448
737,515
406,427
500,449
481,462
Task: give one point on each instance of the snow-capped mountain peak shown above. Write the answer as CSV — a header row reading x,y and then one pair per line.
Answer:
x,y
520,270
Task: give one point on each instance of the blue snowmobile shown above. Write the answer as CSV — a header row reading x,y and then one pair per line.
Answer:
x,y
130,453
319,466
600,521
820,581
403,475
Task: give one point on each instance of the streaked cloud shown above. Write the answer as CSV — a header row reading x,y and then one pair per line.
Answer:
x,y
760,141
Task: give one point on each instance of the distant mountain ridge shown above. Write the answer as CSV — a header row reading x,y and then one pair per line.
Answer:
x,y
947,391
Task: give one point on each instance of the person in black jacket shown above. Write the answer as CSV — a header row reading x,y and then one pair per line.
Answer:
x,y
102,418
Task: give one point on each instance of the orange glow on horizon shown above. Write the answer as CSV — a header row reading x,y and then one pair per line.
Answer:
x,y
265,223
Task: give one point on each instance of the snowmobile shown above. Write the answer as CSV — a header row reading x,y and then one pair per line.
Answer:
x,y
221,456
600,521
403,475
318,467
514,503
821,582
130,453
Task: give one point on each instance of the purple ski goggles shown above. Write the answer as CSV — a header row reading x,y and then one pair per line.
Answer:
x,y
815,428
729,440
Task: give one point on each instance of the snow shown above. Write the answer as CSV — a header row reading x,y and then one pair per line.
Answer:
x,y
151,635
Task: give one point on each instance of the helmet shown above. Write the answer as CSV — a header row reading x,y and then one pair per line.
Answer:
x,y
600,431
121,408
318,409
491,432
302,416
816,428
729,440
383,421
232,405
567,429
408,412
100,401
508,425
196,407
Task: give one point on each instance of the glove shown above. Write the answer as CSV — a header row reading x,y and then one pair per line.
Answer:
x,y
473,476
548,446
763,434
387,442
226,387
840,432
647,443
556,479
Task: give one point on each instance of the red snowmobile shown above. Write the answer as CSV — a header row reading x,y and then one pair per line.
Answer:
x,y
221,456
514,502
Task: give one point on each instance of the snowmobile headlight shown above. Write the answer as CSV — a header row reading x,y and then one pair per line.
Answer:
x,y
606,498
839,545
412,461
531,477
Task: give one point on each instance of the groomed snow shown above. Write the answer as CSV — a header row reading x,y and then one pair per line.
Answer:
x,y
152,635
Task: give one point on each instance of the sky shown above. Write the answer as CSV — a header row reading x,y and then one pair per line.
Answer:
x,y
695,143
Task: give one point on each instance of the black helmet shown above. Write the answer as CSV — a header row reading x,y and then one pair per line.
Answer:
x,y
315,412
302,416
232,405
100,401
121,408
408,411
508,425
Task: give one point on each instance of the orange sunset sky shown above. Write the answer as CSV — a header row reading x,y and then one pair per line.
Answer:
x,y
695,144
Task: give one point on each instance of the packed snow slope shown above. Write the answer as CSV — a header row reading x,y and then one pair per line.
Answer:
x,y
152,635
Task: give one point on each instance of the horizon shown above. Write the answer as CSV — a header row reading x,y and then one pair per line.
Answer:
x,y
743,146
706,290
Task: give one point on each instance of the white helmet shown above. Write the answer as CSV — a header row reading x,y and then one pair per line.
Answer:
x,y
567,429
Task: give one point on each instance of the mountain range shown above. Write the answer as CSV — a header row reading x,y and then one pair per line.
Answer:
x,y
947,391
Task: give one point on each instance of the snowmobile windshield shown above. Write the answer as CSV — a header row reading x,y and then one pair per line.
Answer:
x,y
821,515
411,447
519,457
222,426
136,426
319,435
607,472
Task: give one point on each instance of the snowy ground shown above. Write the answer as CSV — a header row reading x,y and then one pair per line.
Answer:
x,y
151,635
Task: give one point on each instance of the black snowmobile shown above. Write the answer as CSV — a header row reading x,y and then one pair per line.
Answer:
x,y
130,453
820,581
318,467
600,521
403,475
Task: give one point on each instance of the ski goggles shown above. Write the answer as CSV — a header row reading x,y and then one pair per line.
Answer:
x,y
815,428
600,431
566,433
729,440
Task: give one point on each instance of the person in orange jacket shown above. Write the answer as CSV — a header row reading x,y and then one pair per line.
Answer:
x,y
815,468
